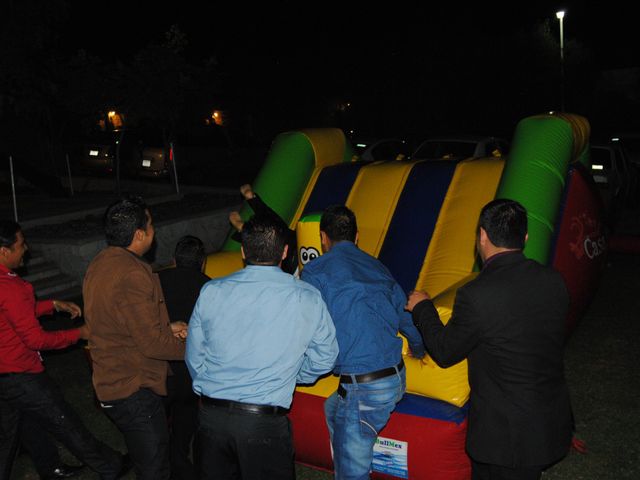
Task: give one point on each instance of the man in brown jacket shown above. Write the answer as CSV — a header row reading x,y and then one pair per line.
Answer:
x,y
130,336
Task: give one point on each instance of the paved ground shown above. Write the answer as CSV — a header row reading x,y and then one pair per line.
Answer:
x,y
601,365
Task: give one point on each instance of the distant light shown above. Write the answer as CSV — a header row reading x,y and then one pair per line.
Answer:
x,y
115,119
361,145
560,14
615,139
217,117
351,132
597,167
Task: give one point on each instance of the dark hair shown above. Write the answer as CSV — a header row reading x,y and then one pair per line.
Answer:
x,y
122,218
189,252
505,222
263,240
8,232
339,223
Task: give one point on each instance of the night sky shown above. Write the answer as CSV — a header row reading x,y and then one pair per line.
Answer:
x,y
284,29
403,69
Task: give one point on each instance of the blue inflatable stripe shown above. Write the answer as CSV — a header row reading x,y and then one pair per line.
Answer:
x,y
426,407
414,220
332,187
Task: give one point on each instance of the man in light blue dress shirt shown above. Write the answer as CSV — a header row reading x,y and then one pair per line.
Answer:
x,y
252,336
367,307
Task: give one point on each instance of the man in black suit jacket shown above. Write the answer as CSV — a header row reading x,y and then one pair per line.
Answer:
x,y
509,322
181,286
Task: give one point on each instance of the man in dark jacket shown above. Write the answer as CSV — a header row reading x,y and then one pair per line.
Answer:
x,y
509,322
181,286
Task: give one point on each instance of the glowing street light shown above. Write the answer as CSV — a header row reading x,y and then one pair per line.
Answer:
x,y
560,17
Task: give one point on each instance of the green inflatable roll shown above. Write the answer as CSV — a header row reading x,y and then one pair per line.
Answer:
x,y
535,176
282,179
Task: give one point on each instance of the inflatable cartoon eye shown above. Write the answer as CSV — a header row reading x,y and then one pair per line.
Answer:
x,y
308,254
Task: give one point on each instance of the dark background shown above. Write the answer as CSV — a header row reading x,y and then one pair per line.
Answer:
x,y
395,70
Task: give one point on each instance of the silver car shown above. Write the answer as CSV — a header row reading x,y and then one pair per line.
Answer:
x,y
459,147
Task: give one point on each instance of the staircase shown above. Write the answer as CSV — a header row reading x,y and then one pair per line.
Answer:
x,y
47,279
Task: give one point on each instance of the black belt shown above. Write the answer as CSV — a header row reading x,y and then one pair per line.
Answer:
x,y
370,377
245,407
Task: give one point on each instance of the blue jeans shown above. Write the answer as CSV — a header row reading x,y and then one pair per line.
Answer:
x,y
355,420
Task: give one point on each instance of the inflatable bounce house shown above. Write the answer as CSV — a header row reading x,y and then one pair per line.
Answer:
x,y
419,218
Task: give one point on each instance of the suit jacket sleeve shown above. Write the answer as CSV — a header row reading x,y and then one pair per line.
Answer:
x,y
451,343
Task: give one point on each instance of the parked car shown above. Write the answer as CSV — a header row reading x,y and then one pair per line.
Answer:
x,y
612,173
459,147
97,154
196,151
370,150
148,153
630,141
630,145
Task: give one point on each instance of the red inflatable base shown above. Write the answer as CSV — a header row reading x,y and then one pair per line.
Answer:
x,y
435,446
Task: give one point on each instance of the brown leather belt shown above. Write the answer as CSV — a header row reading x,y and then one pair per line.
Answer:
x,y
245,407
370,377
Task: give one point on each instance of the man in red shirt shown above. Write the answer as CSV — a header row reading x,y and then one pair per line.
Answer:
x,y
25,388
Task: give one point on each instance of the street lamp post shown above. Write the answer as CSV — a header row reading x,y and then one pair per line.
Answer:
x,y
560,17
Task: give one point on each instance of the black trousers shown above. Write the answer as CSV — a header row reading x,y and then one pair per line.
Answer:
x,y
142,420
486,471
181,405
39,445
240,445
37,396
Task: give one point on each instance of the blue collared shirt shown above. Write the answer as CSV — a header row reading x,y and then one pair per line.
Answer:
x,y
367,307
255,333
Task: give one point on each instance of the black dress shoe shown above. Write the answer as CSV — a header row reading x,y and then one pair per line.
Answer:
x,y
127,465
64,471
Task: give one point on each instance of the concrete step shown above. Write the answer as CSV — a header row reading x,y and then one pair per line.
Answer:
x,y
49,287
73,293
42,269
33,258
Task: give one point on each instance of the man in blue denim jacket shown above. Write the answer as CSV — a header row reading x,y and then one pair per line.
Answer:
x,y
367,308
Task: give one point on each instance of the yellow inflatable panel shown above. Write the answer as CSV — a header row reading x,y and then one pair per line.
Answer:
x,y
451,253
425,377
448,264
328,147
373,199
220,264
322,388
308,237
581,132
